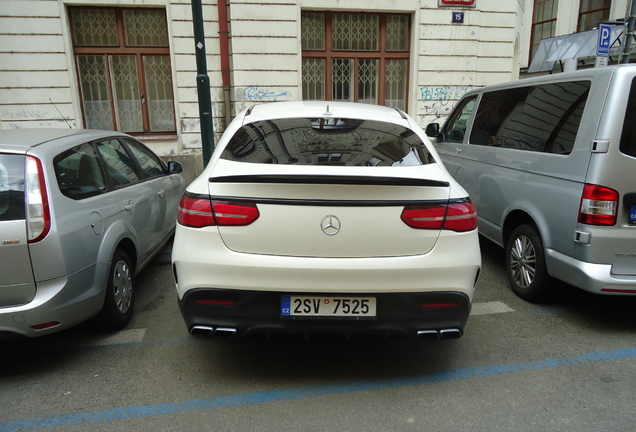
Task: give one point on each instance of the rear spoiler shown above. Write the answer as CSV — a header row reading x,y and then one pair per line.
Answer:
x,y
332,180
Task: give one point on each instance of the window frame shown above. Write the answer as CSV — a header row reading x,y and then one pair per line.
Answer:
x,y
536,23
382,54
140,52
582,13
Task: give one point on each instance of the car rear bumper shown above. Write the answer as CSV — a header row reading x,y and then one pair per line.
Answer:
x,y
230,313
201,260
595,278
59,304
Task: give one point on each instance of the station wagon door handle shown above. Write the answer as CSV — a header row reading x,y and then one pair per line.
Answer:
x,y
161,193
130,206
458,150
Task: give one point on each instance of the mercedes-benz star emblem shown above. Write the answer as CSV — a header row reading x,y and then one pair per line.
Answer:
x,y
330,225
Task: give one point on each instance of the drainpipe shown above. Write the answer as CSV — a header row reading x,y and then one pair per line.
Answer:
x,y
225,58
629,34
203,84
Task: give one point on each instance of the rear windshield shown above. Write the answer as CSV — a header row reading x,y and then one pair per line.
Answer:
x,y
333,141
628,138
11,187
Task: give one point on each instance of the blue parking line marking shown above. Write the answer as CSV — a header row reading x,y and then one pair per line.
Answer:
x,y
260,397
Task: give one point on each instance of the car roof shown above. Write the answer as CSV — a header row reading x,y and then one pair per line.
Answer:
x,y
323,109
581,74
26,139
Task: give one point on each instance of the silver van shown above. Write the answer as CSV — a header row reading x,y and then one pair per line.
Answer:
x,y
550,164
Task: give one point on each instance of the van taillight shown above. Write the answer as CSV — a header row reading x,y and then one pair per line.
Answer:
x,y
598,205
197,212
457,216
38,212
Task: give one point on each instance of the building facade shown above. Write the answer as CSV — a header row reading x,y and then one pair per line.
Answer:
x,y
131,65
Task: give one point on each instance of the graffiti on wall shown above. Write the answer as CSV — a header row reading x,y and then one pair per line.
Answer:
x,y
264,94
440,100
23,114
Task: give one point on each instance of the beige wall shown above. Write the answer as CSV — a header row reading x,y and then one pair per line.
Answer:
x,y
36,61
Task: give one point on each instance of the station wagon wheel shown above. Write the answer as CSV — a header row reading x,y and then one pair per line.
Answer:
x,y
120,294
525,264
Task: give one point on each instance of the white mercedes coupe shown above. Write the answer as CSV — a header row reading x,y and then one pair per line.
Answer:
x,y
325,217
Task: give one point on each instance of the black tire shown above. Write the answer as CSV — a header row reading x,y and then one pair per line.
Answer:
x,y
120,294
525,264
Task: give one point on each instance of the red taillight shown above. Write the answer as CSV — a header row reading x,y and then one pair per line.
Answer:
x,y
598,205
455,216
201,212
37,201
234,213
195,212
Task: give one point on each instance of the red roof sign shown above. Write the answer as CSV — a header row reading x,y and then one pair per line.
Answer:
x,y
468,3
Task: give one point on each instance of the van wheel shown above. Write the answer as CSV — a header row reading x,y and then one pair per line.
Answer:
x,y
525,264
120,295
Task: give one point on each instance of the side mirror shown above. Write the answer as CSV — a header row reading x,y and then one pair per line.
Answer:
x,y
432,130
175,167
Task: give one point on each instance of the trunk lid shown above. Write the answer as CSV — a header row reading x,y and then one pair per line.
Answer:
x,y
17,285
327,211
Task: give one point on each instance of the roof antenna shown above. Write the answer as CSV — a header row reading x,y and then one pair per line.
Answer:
x,y
63,118
327,112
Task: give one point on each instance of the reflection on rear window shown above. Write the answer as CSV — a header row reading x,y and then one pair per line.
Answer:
x,y
332,141
11,187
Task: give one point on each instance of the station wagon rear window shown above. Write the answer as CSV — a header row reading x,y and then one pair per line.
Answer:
x,y
11,187
331,141
543,118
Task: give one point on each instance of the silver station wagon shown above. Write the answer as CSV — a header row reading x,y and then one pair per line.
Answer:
x,y
550,164
81,212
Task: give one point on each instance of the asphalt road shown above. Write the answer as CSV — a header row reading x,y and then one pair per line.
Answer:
x,y
566,365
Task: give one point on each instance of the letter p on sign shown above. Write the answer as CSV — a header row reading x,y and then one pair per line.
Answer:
x,y
604,40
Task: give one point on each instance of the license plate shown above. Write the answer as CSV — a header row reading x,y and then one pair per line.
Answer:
x,y
328,306
632,214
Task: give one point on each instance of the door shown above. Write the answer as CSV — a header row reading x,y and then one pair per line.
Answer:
x,y
453,135
136,197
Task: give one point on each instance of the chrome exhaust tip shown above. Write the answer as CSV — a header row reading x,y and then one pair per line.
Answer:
x,y
201,331
450,334
224,332
428,334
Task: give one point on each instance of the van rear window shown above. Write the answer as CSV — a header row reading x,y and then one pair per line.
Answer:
x,y
628,137
543,118
11,187
333,141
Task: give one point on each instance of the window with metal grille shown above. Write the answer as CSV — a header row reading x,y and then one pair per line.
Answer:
x,y
123,64
357,57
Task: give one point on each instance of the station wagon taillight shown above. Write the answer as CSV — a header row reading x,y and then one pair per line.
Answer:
x,y
199,212
38,213
598,205
457,216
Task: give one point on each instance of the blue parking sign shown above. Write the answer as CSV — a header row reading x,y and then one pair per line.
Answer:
x,y
604,40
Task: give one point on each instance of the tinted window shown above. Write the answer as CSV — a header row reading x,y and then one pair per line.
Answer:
x,y
78,172
541,118
150,164
11,187
628,137
119,163
345,142
455,128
